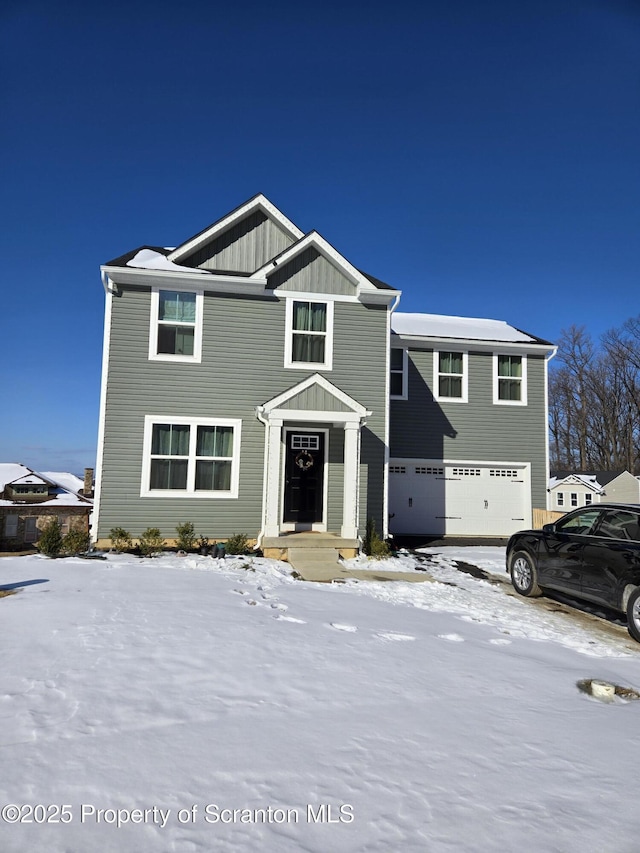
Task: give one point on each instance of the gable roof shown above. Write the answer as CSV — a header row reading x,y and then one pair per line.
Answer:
x,y
259,202
599,478
347,404
317,241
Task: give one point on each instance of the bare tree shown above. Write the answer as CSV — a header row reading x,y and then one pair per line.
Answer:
x,y
594,400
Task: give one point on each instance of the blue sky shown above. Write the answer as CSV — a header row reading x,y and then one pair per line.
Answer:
x,y
483,157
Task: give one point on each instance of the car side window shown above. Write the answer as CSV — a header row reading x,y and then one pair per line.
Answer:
x,y
581,523
620,524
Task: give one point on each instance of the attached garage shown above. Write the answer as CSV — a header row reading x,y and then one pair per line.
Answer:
x,y
446,498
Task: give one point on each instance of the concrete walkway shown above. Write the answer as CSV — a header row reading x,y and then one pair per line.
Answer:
x,y
320,568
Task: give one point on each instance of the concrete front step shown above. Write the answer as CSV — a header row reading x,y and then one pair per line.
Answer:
x,y
278,547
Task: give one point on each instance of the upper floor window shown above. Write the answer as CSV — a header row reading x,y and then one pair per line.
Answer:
x,y
560,499
176,325
190,457
510,379
450,376
309,340
398,374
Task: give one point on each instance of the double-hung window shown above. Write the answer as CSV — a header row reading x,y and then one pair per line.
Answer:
x,y
450,376
309,341
11,525
191,457
510,379
398,374
176,325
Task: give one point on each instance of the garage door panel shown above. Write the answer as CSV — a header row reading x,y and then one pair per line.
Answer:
x,y
416,499
458,499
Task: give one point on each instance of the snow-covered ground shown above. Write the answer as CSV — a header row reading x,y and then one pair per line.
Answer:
x,y
143,700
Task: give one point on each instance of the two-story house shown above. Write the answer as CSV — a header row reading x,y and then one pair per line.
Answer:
x,y
245,385
251,383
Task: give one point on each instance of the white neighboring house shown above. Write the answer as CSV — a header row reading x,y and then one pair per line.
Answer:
x,y
571,489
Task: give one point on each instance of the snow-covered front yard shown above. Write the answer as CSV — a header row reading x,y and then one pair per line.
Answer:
x,y
189,704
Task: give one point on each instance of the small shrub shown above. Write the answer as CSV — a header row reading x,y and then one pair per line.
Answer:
x,y
186,540
120,539
237,544
151,541
50,542
373,545
76,541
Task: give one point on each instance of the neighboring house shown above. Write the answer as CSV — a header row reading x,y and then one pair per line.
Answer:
x,y
571,489
468,442
247,377
29,500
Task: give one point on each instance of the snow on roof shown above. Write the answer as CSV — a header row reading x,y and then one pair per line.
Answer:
x,y
587,480
440,326
12,471
64,492
64,480
149,260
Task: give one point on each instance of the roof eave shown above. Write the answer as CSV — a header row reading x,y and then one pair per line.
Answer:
x,y
113,276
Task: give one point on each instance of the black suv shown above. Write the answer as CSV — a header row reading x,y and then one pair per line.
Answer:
x,y
592,553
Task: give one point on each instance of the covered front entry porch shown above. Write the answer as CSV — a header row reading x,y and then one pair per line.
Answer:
x,y
312,461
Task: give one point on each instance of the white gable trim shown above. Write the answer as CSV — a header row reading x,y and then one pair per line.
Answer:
x,y
315,379
326,249
259,202
577,480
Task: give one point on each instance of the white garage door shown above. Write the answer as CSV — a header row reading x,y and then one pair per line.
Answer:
x,y
458,498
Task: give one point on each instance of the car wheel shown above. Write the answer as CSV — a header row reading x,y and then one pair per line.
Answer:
x,y
633,614
524,575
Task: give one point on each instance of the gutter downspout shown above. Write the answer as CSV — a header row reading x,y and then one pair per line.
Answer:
x,y
385,503
551,354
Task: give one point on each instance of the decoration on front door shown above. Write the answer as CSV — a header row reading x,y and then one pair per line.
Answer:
x,y
304,460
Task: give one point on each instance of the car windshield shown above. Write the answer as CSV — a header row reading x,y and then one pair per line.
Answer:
x,y
620,524
581,522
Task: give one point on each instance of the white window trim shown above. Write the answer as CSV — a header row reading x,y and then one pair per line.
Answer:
x,y
154,355
288,341
523,381
405,375
436,377
559,498
190,491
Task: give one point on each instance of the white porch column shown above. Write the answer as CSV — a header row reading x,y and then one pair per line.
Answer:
x,y
351,475
272,491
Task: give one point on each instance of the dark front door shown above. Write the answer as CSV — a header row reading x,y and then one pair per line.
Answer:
x,y
304,477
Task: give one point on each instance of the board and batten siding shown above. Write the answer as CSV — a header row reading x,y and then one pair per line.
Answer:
x,y
245,247
310,272
478,430
242,367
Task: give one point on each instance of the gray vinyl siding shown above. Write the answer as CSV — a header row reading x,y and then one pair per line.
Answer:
x,y
242,367
310,272
479,430
245,247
